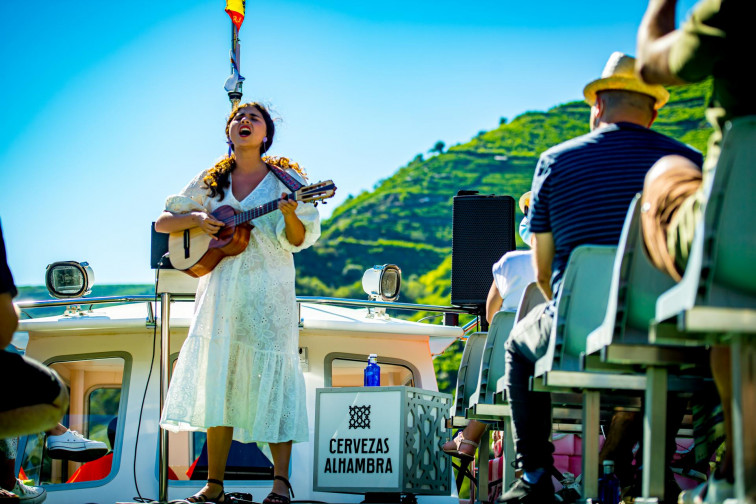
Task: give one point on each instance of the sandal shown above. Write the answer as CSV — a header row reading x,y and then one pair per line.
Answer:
x,y
453,447
200,497
274,498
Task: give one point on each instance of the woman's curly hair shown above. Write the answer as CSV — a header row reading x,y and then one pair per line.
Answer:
x,y
218,177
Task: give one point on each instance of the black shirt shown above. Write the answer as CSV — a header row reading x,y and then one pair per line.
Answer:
x,y
6,279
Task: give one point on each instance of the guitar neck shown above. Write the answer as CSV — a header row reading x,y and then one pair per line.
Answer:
x,y
256,212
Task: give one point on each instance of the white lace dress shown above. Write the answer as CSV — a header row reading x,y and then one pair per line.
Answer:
x,y
239,365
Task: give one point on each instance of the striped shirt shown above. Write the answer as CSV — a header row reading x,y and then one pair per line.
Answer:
x,y
582,188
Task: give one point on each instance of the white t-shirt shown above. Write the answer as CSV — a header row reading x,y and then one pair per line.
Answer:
x,y
512,273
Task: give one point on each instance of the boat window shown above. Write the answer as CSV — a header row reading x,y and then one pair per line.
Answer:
x,y
348,372
95,386
187,458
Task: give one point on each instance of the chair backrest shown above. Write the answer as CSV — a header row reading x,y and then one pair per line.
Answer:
x,y
581,306
729,223
721,268
492,366
636,285
531,297
469,371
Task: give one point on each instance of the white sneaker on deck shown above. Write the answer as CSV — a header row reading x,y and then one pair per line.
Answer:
x,y
713,491
29,494
719,491
73,446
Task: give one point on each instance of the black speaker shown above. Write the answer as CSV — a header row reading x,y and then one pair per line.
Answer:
x,y
159,247
483,229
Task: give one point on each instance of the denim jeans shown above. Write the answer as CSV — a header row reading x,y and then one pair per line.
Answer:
x,y
531,411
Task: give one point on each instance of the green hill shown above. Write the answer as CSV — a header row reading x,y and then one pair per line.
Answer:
x,y
406,219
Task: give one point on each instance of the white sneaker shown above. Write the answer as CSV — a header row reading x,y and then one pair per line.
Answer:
x,y
73,446
713,491
29,494
718,491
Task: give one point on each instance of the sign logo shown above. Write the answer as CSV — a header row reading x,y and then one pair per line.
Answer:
x,y
359,417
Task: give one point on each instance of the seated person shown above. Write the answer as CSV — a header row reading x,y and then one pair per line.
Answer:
x,y
712,42
511,274
38,407
46,399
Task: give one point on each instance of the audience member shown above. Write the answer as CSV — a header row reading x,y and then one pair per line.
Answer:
x,y
713,42
610,164
511,274
38,407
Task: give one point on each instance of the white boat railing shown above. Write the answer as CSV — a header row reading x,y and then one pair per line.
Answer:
x,y
150,299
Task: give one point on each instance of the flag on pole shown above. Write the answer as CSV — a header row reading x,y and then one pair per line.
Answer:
x,y
235,9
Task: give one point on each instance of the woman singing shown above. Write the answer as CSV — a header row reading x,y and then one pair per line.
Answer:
x,y
237,376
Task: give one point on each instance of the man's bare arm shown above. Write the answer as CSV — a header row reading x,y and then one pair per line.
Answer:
x,y
543,255
656,36
493,302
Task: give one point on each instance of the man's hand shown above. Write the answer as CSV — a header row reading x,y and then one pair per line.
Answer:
x,y
295,231
656,36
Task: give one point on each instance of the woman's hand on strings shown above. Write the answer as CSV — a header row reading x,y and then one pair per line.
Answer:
x,y
287,207
295,230
208,224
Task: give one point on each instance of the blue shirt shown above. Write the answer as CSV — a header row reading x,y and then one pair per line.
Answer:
x,y
582,188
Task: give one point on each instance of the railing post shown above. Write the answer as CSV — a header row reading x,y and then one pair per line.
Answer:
x,y
165,369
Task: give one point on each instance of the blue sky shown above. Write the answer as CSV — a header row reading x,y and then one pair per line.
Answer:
x,y
108,107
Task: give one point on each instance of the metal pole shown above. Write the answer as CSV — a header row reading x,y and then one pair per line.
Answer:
x,y
235,95
165,368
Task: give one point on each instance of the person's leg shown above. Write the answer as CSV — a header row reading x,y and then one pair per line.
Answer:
x,y
13,489
281,457
38,410
7,466
472,433
625,431
218,444
57,430
721,370
531,411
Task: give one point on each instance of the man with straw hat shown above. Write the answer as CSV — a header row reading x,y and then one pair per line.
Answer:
x,y
609,164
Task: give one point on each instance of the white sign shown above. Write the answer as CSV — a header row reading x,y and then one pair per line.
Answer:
x,y
359,440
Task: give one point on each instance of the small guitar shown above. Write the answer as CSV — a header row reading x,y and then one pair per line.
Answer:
x,y
196,253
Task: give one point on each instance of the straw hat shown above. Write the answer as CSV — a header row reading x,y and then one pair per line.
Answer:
x,y
619,73
525,201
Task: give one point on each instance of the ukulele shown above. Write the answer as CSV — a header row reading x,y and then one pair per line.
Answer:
x,y
196,253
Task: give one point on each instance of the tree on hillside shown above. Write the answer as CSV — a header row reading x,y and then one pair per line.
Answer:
x,y
439,147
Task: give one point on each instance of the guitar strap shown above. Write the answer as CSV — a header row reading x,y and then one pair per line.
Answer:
x,y
290,182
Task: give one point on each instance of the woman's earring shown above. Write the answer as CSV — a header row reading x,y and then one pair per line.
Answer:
x,y
264,148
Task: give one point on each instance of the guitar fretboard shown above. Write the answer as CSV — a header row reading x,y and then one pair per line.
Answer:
x,y
256,212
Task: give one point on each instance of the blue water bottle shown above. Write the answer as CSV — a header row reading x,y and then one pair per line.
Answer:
x,y
372,372
609,485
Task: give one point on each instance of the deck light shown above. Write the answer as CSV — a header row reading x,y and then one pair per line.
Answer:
x,y
382,282
69,279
